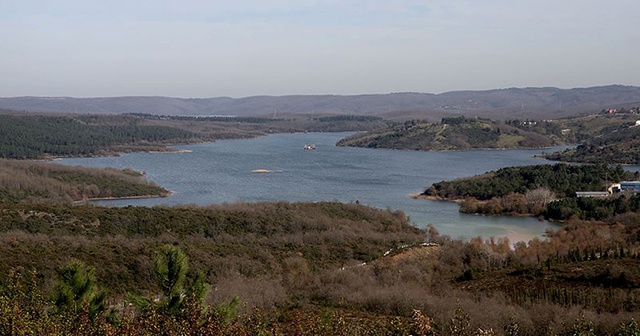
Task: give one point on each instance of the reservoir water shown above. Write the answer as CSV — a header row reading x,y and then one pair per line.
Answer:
x,y
224,172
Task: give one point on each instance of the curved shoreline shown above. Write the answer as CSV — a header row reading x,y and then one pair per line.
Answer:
x,y
434,198
459,201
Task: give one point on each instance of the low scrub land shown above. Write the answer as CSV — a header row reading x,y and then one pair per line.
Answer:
x,y
305,269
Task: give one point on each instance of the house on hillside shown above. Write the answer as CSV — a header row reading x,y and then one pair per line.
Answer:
x,y
632,187
625,186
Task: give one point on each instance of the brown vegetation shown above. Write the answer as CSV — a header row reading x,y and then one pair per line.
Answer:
x,y
320,269
43,181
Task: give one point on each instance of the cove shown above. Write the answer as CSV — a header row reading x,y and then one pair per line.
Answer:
x,y
277,167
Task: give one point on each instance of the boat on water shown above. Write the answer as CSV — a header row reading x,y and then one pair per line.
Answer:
x,y
309,147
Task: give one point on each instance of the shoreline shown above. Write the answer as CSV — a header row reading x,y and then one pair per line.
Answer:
x,y
113,153
459,202
114,198
434,198
467,149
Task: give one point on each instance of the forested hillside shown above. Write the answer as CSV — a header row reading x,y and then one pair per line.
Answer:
x,y
543,190
216,126
459,133
562,179
41,181
25,137
600,139
614,145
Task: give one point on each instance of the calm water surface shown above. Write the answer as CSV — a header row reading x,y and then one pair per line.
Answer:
x,y
221,172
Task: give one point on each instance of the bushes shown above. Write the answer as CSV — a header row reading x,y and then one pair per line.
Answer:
x,y
252,240
40,181
294,291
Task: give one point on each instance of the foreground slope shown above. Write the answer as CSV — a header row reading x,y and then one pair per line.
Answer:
x,y
315,269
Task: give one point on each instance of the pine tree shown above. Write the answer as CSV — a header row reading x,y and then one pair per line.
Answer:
x,y
77,289
171,267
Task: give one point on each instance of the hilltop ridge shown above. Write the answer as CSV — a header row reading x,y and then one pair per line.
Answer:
x,y
544,102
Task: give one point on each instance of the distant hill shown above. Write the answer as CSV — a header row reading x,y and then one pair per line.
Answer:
x,y
545,102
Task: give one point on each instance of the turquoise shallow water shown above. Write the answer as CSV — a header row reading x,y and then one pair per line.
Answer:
x,y
222,172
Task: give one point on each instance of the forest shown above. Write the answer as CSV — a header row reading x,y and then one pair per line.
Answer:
x,y
562,179
33,136
547,191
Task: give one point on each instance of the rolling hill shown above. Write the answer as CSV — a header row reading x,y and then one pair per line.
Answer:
x,y
545,102
458,133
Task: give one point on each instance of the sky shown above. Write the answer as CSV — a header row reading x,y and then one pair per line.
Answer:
x,y
199,48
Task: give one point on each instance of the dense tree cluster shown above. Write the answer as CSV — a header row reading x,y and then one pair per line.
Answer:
x,y
541,190
261,125
564,180
25,137
611,139
593,208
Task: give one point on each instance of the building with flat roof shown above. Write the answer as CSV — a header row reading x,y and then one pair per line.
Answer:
x,y
628,186
592,194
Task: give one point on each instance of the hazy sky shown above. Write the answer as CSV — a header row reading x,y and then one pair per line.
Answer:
x,y
193,48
